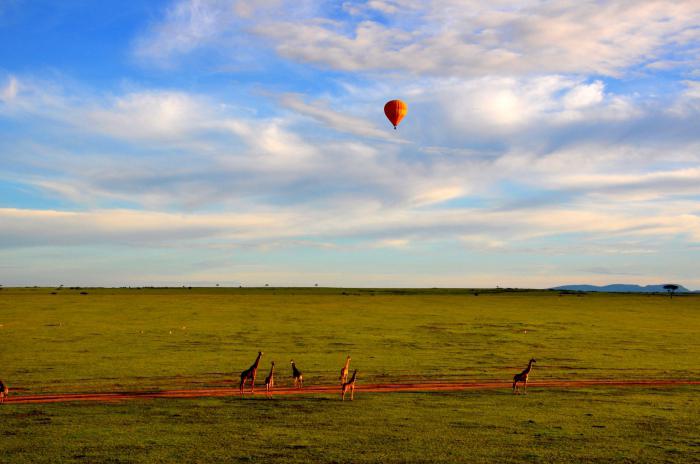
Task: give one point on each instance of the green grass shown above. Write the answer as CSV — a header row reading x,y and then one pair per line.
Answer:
x,y
545,426
162,338
170,338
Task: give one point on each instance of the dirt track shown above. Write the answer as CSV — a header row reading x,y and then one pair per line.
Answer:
x,y
335,389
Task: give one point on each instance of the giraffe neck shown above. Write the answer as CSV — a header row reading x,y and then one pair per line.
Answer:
x,y
347,363
257,361
529,367
352,379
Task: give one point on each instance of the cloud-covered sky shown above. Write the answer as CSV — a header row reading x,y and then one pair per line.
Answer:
x,y
196,142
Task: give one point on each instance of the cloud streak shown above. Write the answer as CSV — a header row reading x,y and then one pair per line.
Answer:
x,y
451,38
537,133
390,227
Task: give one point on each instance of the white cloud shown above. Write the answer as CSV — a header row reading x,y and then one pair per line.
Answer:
x,y
516,140
322,112
187,25
584,95
217,157
490,108
451,38
184,152
248,9
159,115
491,228
399,243
692,89
432,195
10,90
439,37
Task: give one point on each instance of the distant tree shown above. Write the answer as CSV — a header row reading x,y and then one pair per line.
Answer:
x,y
671,288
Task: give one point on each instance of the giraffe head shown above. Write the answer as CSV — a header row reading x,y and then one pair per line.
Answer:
x,y
273,363
533,360
260,353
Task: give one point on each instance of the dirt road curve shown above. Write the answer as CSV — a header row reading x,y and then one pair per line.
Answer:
x,y
335,389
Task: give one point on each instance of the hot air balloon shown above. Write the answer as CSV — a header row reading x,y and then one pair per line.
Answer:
x,y
395,110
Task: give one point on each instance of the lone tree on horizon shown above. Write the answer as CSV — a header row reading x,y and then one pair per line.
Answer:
x,y
671,288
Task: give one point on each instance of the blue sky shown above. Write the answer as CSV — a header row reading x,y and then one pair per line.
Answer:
x,y
199,142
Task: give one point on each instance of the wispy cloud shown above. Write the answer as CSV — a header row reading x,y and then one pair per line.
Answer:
x,y
450,38
9,91
187,25
442,37
334,117
536,132
488,229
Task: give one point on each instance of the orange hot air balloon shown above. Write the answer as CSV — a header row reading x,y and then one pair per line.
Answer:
x,y
395,110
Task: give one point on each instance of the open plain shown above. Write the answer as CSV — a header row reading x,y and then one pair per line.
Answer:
x,y
434,372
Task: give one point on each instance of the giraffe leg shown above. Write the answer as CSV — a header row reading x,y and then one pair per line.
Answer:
x,y
352,393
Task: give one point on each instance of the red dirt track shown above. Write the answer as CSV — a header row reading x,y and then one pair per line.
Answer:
x,y
335,389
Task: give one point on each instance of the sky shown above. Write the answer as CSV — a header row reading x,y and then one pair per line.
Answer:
x,y
232,142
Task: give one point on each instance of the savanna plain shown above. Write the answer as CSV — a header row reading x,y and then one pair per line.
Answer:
x,y
62,340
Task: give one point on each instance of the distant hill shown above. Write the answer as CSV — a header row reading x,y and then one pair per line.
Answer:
x,y
629,288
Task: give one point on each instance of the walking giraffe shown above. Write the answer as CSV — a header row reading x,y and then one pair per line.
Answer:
x,y
270,381
250,374
344,371
297,376
522,377
349,385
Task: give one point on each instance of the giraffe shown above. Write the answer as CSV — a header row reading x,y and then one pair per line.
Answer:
x,y
349,385
522,377
297,376
270,381
250,374
4,391
344,371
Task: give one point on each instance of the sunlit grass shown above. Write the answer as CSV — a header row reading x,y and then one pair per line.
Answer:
x,y
180,337
599,425
155,338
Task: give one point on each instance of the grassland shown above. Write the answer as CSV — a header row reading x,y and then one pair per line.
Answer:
x,y
111,339
624,425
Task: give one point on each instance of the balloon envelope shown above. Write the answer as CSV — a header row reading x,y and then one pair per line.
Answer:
x,y
395,110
